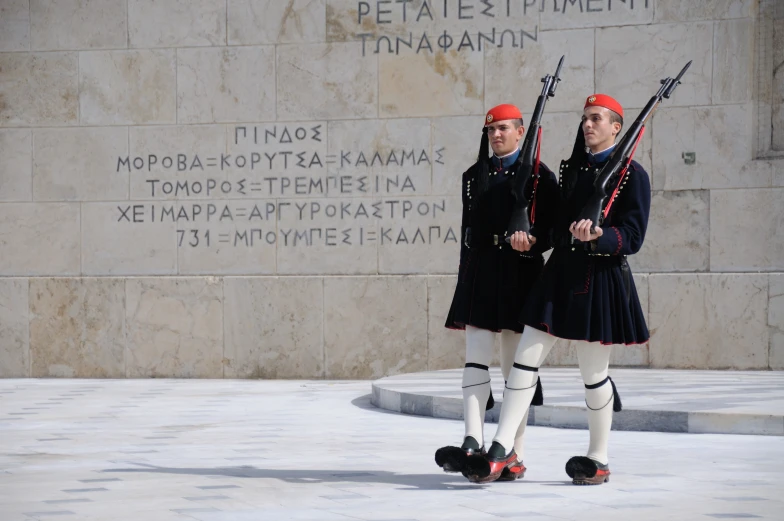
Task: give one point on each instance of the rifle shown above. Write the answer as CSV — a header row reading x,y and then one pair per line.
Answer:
x,y
529,154
598,206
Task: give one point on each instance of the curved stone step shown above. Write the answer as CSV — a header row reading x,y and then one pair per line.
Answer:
x,y
721,402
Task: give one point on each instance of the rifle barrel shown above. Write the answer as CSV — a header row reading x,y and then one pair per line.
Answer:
x,y
671,84
600,199
551,82
680,75
560,63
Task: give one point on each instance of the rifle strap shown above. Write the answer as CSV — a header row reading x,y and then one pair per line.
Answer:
x,y
623,173
536,174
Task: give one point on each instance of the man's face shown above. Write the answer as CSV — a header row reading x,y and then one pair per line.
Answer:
x,y
504,136
598,129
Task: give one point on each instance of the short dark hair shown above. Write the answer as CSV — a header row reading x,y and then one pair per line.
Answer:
x,y
518,122
615,117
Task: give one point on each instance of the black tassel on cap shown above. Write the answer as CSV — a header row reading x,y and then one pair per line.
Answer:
x,y
579,151
578,157
484,146
483,169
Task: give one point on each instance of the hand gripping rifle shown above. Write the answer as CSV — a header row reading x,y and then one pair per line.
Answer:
x,y
529,154
598,206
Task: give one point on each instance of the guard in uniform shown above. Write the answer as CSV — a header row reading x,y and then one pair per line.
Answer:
x,y
493,279
586,293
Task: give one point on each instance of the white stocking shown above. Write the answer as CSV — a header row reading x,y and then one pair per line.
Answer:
x,y
476,380
521,385
509,342
594,360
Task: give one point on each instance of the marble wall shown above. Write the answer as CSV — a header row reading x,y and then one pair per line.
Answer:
x,y
267,189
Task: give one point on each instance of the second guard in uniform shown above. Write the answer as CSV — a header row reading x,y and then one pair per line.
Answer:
x,y
493,279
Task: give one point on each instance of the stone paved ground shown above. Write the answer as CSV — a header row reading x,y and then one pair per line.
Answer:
x,y
156,450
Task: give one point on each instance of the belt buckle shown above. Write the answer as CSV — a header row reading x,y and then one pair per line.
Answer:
x,y
495,240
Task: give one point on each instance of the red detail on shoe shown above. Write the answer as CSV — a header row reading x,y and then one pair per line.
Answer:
x,y
496,467
513,472
517,468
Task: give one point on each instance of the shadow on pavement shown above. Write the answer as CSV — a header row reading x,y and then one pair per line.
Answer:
x,y
408,481
433,481
363,402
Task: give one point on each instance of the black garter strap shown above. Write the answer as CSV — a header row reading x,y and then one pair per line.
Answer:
x,y
538,398
597,385
616,399
474,385
477,366
490,400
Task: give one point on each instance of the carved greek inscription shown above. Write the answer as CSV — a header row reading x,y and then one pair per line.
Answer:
x,y
280,161
416,21
278,186
312,223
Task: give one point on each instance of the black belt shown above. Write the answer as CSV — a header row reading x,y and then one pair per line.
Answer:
x,y
484,239
565,243
626,272
569,241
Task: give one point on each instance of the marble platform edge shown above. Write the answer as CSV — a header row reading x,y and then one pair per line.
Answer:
x,y
571,417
